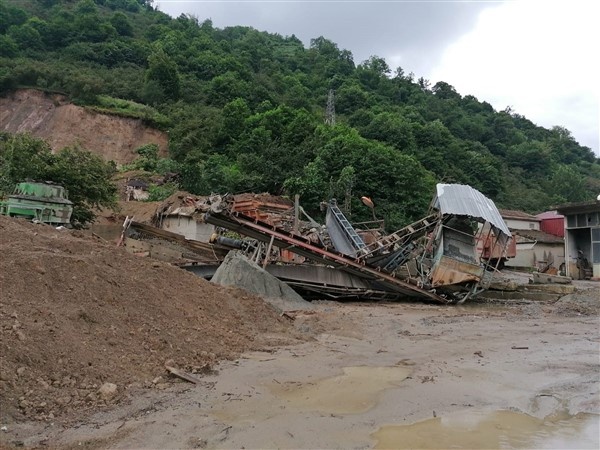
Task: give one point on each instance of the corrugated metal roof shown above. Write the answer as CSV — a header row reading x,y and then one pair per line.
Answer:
x,y
463,200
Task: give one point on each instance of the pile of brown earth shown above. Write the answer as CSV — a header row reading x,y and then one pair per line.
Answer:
x,y
76,313
584,302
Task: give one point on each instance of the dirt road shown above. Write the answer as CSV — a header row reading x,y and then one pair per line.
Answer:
x,y
468,377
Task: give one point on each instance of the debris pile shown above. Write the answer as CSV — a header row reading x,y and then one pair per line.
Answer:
x,y
83,322
438,257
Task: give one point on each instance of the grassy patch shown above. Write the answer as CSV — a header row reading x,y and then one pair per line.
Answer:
x,y
127,108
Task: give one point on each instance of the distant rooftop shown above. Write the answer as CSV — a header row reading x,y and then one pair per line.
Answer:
x,y
519,215
539,236
549,215
580,207
137,184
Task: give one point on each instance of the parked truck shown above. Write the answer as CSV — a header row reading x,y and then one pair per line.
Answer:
x,y
39,201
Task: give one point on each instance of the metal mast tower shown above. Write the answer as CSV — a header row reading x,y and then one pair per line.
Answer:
x,y
330,110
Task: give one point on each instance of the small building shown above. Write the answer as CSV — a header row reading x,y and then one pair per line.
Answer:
x,y
539,250
136,190
519,220
535,248
552,223
188,222
582,239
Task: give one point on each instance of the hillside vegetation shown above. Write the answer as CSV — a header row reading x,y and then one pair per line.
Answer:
x,y
245,111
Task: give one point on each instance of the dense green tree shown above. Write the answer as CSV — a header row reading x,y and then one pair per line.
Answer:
x,y
227,87
121,23
244,110
372,72
444,91
8,47
392,129
566,185
351,97
162,77
25,36
22,157
533,157
86,176
311,185
11,15
234,115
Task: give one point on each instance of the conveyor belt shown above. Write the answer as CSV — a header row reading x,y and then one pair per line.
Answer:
x,y
298,244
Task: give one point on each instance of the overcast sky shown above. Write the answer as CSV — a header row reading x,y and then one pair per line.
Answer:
x,y
540,57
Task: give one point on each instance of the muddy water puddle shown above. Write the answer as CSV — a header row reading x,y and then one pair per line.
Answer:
x,y
496,429
355,391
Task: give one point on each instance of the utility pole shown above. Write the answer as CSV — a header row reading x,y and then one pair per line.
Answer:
x,y
330,110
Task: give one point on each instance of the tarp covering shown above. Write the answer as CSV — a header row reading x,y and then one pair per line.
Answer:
x,y
463,200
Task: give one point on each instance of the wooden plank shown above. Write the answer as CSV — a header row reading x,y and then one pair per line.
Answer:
x,y
183,375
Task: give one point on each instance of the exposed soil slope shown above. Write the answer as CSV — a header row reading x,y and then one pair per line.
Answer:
x,y
54,119
76,313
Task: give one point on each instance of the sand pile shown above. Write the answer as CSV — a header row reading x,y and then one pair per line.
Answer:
x,y
237,270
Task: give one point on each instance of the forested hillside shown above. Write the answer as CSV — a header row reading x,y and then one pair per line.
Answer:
x,y
245,111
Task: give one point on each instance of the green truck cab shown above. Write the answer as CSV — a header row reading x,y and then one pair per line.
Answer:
x,y
43,202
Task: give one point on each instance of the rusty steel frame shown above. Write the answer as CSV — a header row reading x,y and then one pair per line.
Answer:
x,y
264,232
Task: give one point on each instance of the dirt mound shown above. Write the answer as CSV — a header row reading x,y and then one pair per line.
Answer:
x,y
581,303
53,118
142,212
76,313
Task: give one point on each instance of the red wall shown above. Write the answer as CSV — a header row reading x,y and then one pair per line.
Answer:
x,y
555,226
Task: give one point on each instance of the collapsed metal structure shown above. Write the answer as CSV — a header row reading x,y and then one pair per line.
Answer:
x,y
439,257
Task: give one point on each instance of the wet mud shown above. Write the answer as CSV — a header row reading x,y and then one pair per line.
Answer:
x,y
493,429
377,376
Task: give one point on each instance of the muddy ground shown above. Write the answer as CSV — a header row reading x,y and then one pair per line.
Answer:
x,y
472,376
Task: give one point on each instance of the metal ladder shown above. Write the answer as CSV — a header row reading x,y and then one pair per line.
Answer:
x,y
401,236
346,226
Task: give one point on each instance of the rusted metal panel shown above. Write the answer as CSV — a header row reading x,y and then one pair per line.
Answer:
x,y
449,271
265,211
489,247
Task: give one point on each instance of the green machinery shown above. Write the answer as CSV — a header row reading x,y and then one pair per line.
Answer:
x,y
44,202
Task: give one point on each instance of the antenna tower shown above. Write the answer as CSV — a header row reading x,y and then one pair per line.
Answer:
x,y
330,111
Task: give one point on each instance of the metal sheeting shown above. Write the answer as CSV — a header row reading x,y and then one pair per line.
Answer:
x,y
463,200
343,237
